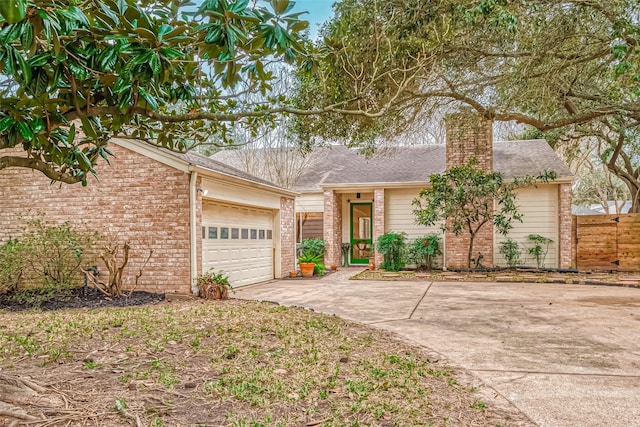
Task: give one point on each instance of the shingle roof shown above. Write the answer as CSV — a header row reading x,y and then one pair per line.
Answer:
x,y
339,165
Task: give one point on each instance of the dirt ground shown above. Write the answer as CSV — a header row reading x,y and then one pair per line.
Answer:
x,y
232,363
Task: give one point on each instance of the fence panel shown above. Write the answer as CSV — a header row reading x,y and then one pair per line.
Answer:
x,y
608,242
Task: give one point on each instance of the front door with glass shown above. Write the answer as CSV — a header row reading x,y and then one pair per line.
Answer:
x,y
361,232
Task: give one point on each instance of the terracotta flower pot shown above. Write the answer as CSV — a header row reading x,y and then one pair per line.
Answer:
x,y
306,268
293,274
372,266
334,267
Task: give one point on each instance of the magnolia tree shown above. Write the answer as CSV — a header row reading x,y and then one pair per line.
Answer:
x,y
75,73
462,199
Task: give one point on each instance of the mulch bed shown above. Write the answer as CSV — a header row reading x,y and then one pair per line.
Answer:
x,y
79,300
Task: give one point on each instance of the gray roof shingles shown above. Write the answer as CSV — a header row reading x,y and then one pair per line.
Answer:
x,y
339,165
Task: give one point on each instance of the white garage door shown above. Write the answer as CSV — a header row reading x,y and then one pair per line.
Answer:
x,y
239,241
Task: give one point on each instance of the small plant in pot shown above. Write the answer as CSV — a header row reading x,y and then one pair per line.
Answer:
x,y
311,263
213,285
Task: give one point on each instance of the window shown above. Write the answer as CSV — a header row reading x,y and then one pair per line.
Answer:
x,y
213,232
235,233
269,234
261,234
254,233
224,233
245,233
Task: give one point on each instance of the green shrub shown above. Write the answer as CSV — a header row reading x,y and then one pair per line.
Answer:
x,y
511,251
539,248
11,266
312,246
45,262
424,250
394,248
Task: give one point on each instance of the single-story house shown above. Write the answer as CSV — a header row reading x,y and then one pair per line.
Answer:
x,y
193,212
345,198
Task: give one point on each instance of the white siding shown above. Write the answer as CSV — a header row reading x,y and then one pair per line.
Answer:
x,y
539,207
310,202
399,214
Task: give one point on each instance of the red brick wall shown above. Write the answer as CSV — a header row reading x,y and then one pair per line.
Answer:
x,y
287,235
135,199
332,219
565,244
469,135
378,220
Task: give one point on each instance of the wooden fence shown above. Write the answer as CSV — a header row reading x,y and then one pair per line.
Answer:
x,y
607,242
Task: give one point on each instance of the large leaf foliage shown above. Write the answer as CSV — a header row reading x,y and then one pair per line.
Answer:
x,y
74,73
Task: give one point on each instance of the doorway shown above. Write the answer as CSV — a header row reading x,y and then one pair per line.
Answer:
x,y
361,232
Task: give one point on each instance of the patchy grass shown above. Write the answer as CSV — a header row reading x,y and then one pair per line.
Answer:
x,y
231,363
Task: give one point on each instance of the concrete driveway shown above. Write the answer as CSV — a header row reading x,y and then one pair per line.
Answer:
x,y
564,355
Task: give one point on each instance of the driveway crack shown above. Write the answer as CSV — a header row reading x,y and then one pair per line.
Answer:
x,y
420,301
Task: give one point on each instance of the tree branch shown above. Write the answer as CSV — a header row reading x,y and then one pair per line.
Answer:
x,y
45,168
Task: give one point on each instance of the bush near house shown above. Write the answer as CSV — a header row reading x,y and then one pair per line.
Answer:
x,y
45,262
394,248
312,247
424,250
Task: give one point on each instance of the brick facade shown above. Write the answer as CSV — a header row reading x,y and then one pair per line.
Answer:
x,y
565,243
287,236
378,220
469,135
136,199
332,218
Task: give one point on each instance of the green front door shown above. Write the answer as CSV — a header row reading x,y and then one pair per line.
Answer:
x,y
361,232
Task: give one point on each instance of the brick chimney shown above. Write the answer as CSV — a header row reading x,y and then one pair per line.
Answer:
x,y
469,135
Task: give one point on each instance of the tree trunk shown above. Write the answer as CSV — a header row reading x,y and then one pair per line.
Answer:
x,y
470,254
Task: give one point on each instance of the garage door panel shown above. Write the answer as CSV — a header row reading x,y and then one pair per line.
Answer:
x,y
246,258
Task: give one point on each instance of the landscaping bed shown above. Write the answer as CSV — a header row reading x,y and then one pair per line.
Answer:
x,y
78,299
231,363
507,275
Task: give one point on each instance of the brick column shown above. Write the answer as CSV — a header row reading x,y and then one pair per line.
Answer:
x,y
565,245
287,236
469,135
332,219
378,220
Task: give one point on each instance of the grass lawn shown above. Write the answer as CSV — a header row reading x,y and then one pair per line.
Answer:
x,y
233,363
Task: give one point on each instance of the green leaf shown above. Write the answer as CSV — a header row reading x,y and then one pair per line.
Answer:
x,y
151,101
5,123
280,6
39,83
87,127
13,11
24,130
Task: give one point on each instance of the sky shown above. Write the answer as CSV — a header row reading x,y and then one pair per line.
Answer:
x,y
319,11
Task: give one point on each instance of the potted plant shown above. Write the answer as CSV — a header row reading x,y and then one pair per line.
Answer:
x,y
213,285
311,263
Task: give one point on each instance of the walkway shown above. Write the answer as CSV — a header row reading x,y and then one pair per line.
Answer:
x,y
565,355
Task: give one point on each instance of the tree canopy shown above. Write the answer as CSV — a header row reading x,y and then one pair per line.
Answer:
x,y
74,73
543,63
